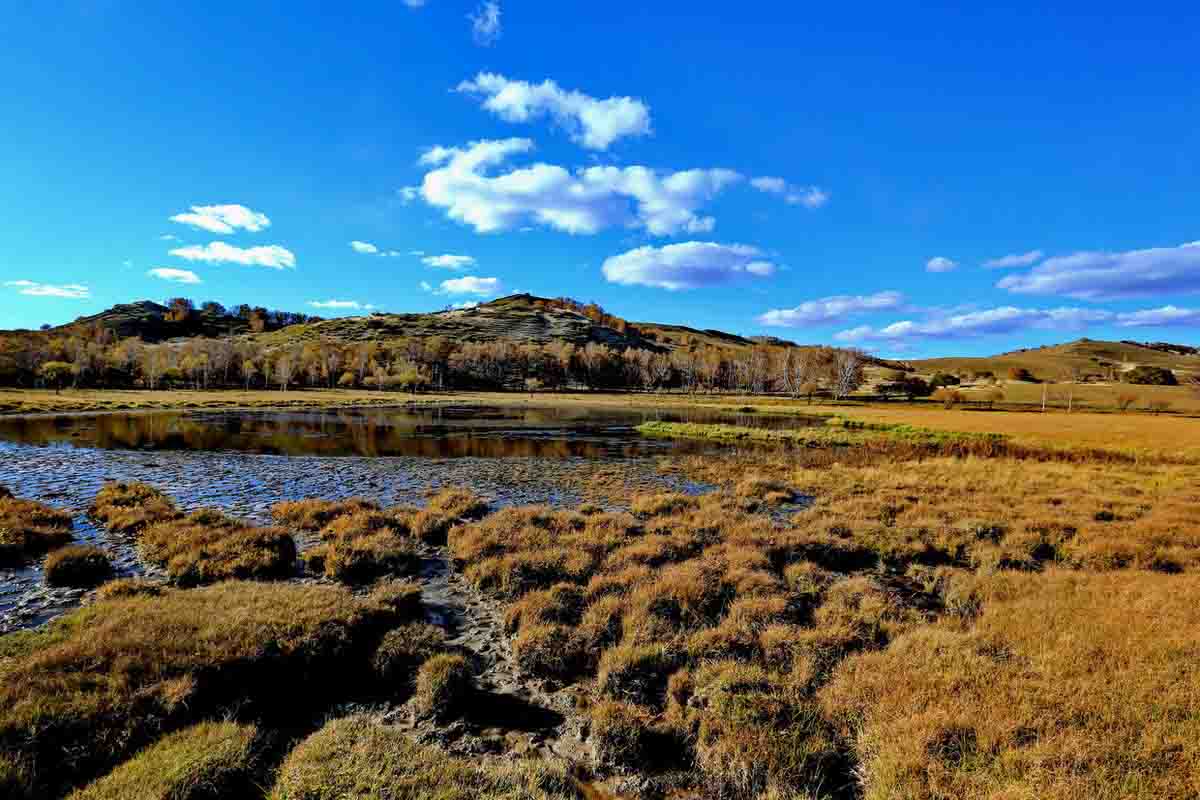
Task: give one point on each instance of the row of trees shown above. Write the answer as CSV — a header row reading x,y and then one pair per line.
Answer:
x,y
421,363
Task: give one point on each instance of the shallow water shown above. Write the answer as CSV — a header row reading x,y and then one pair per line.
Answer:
x,y
243,462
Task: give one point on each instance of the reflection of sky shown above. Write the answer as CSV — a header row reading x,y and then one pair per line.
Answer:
x,y
470,432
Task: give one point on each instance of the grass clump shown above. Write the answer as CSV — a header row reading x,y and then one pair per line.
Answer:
x,y
103,680
129,507
207,546
313,514
80,566
129,587
361,557
28,529
208,761
404,650
444,682
362,758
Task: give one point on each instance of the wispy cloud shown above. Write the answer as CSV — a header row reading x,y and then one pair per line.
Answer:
x,y
687,265
1006,319
592,123
272,256
1165,317
223,218
807,196
174,275
485,23
449,262
1015,260
583,202
831,310
72,291
169,237
1113,276
940,264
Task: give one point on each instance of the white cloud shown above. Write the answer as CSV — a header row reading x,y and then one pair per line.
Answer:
x,y
940,264
829,310
353,305
465,305
1167,316
168,237
1113,276
807,196
449,262
392,254
586,201
485,23
363,247
592,123
1015,260
409,193
73,291
272,256
174,275
469,284
688,265
1006,319
223,219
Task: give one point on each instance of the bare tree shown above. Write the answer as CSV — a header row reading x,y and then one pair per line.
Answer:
x,y
847,372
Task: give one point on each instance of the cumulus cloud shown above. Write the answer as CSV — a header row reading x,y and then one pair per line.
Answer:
x,y
73,291
340,305
807,196
830,310
465,305
940,264
485,23
174,275
363,247
1165,317
1113,276
272,256
1006,319
469,284
586,201
1015,260
449,261
688,265
223,218
592,123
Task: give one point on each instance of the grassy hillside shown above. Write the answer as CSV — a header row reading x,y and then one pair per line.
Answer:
x,y
1086,357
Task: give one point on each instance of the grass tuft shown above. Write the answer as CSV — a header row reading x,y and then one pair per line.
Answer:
x,y
79,566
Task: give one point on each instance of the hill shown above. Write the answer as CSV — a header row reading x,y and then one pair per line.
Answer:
x,y
155,323
1081,358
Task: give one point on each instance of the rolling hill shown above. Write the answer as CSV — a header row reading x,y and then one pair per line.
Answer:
x,y
1081,358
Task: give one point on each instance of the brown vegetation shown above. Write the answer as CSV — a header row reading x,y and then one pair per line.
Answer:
x,y
129,507
28,528
207,546
80,566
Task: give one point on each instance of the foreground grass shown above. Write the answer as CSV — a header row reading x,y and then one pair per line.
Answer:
x,y
29,529
101,682
360,758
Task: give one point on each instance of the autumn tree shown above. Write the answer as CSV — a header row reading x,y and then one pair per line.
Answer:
x,y
56,374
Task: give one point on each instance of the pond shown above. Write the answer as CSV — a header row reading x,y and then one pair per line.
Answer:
x,y
245,461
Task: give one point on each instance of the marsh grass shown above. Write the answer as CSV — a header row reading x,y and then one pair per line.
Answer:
x,y
130,507
362,758
79,566
444,684
207,761
29,529
105,680
207,546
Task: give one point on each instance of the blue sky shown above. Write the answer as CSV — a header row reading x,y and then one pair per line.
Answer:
x,y
837,173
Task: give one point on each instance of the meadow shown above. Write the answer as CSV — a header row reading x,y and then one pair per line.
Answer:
x,y
907,602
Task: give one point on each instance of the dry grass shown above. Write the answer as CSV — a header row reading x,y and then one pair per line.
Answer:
x,y
130,507
361,546
404,650
28,528
207,761
207,546
444,683
104,680
39,401
80,566
362,758
312,514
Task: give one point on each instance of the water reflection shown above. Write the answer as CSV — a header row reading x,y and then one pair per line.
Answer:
x,y
444,432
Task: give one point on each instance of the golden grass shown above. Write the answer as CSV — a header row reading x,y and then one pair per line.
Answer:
x,y
103,680
208,760
207,546
130,506
37,401
80,566
29,528
444,684
362,758
403,650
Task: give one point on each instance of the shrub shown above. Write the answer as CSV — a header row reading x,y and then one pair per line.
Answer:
x,y
210,760
443,685
101,681
129,507
941,380
404,650
206,546
1146,375
362,758
129,587
81,566
28,529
